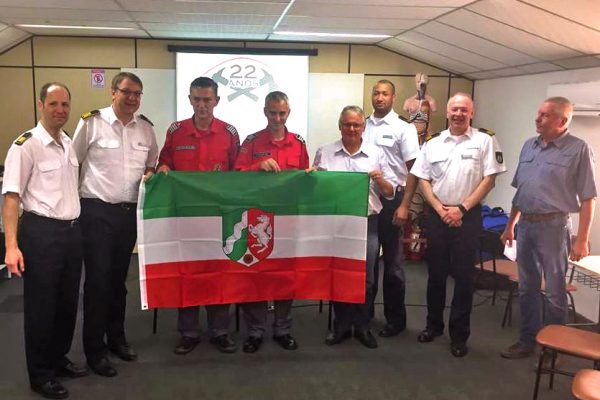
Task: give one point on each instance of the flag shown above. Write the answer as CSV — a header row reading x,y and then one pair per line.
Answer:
x,y
232,237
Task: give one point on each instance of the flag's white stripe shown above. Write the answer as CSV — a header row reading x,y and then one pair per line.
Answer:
x,y
200,238
141,252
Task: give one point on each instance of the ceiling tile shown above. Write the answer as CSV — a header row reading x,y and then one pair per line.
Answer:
x,y
482,75
200,29
541,23
474,43
364,10
579,62
405,3
449,50
69,4
52,21
540,67
323,24
206,7
11,36
507,36
428,56
224,19
70,14
585,12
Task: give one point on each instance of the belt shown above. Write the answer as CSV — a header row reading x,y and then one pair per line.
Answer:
x,y
125,206
543,217
58,222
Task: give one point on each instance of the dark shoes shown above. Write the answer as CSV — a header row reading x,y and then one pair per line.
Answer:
x,y
286,341
224,343
459,349
366,338
390,330
517,350
70,370
337,337
427,336
185,345
123,350
103,367
51,389
252,344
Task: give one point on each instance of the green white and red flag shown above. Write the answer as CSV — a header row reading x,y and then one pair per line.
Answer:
x,y
232,237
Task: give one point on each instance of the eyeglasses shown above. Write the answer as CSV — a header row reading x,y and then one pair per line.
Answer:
x,y
350,125
128,93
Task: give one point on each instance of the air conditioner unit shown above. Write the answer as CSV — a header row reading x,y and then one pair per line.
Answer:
x,y
585,96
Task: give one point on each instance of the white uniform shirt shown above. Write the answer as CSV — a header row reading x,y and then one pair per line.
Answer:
x,y
113,157
335,157
44,175
456,165
398,140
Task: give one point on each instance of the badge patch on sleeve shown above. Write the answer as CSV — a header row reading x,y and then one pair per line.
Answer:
x,y
499,157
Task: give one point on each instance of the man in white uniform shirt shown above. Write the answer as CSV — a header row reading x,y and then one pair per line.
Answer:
x,y
41,176
115,148
353,154
457,168
400,145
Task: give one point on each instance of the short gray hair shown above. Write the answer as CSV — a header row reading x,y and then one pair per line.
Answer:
x,y
276,96
354,109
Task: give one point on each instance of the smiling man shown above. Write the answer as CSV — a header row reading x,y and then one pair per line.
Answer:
x,y
116,148
457,168
41,175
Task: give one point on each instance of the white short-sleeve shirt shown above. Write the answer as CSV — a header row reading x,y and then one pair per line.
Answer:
x,y
456,165
113,156
397,139
335,157
44,174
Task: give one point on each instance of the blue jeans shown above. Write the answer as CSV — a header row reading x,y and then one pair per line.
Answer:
x,y
542,250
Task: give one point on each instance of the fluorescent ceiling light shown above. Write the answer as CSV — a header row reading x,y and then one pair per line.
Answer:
x,y
324,34
115,28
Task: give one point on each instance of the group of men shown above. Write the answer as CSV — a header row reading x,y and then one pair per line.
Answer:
x,y
79,203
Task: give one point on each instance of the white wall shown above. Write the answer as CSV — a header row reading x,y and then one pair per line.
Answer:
x,y
508,106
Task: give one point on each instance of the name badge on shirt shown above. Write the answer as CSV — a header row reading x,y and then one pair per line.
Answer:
x,y
262,154
466,156
185,147
385,140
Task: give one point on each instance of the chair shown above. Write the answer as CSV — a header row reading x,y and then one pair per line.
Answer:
x,y
502,268
586,385
560,339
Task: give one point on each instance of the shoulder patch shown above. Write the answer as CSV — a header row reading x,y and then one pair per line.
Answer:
x,y
23,138
231,129
173,127
142,116
90,114
487,131
300,138
250,137
428,138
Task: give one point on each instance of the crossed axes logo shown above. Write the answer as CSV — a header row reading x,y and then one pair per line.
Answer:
x,y
246,86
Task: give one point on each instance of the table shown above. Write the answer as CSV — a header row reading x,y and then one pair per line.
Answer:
x,y
587,272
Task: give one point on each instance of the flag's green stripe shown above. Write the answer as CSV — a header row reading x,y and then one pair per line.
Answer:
x,y
286,193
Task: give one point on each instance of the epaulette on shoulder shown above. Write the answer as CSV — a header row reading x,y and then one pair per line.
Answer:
x,y
89,114
23,138
428,138
489,132
173,127
250,137
300,138
231,129
142,116
403,118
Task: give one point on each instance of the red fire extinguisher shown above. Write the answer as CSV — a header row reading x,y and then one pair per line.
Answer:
x,y
414,237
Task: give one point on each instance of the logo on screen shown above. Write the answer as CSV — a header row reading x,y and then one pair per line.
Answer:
x,y
245,77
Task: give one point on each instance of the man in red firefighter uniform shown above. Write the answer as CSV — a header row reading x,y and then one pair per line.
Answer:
x,y
273,149
201,143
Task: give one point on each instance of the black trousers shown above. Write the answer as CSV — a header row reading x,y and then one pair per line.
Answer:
x,y
451,251
109,235
52,254
394,281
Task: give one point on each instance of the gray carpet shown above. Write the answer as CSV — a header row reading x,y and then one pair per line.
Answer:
x,y
401,368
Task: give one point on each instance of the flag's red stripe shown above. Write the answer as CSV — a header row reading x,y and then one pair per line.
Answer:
x,y
181,284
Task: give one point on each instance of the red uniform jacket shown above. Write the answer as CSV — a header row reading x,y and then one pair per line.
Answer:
x,y
290,153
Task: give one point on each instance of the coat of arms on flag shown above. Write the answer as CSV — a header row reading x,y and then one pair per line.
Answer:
x,y
248,235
